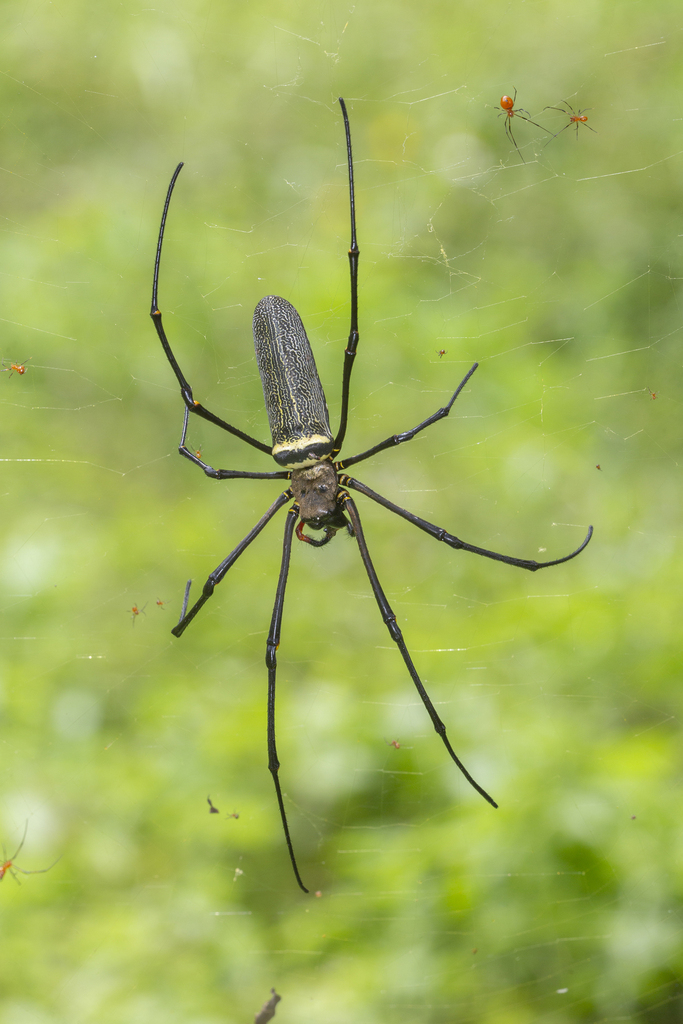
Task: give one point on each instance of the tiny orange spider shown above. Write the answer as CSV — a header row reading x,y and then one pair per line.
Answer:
x,y
135,611
9,865
653,394
19,368
508,108
576,117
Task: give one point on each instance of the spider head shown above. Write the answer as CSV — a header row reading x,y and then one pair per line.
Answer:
x,y
315,490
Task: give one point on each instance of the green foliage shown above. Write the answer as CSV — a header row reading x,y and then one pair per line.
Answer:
x,y
561,276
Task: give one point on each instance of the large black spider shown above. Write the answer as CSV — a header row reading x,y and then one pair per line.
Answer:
x,y
306,449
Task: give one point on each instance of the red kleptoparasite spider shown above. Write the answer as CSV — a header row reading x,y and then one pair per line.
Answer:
x,y
14,367
508,108
135,611
576,117
9,865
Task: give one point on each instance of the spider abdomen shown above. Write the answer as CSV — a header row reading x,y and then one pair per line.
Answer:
x,y
295,400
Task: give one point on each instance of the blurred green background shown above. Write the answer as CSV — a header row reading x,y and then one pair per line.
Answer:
x,y
561,691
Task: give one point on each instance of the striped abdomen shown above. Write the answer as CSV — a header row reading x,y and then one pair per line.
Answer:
x,y
295,400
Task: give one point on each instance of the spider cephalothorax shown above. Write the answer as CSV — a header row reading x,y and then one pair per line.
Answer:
x,y
316,492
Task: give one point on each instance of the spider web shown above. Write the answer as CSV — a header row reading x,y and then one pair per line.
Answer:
x,y
555,266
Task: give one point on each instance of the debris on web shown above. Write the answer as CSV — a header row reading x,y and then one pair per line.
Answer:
x,y
267,1011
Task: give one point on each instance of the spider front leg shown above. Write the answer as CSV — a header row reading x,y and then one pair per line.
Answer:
x,y
396,635
354,256
395,439
218,574
271,661
155,313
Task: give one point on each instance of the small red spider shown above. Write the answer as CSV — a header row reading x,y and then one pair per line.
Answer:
x,y
9,865
135,611
508,109
393,743
576,117
14,367
653,394
160,603
441,352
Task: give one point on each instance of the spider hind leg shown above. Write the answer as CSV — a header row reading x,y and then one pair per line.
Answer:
x,y
271,662
396,635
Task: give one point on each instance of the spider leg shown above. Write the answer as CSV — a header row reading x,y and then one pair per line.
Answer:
x,y
454,542
36,871
568,125
223,474
396,635
271,661
218,573
409,434
546,130
23,840
508,132
155,313
354,255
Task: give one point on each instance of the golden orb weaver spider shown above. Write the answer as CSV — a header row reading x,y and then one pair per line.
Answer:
x,y
306,450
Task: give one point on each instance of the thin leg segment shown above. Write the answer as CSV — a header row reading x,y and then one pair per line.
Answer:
x,y
218,573
271,662
508,127
454,542
396,635
223,474
37,871
155,313
409,434
19,847
528,119
354,254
